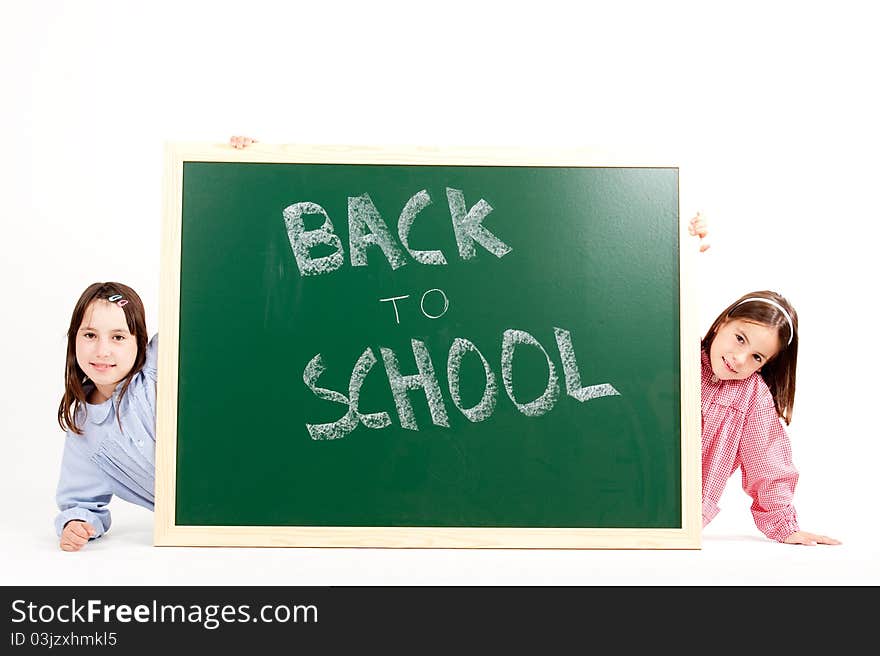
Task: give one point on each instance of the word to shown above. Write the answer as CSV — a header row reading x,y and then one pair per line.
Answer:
x,y
366,227
426,380
394,300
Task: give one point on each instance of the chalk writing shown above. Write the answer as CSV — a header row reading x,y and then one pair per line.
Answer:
x,y
302,240
394,300
486,406
367,228
426,381
544,403
445,304
343,426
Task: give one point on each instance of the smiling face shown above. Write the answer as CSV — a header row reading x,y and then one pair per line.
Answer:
x,y
105,349
741,348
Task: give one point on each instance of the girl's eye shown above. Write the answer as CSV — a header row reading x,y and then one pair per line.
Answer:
x,y
119,338
739,338
88,335
757,358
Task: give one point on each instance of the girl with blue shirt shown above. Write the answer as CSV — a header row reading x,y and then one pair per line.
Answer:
x,y
108,412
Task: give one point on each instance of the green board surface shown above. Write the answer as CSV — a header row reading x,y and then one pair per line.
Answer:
x,y
585,276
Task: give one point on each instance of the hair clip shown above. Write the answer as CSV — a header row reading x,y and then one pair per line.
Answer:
x,y
117,298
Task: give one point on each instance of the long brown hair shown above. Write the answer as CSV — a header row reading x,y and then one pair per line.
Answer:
x,y
779,371
74,390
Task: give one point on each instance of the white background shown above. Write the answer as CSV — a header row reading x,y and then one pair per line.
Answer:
x,y
774,101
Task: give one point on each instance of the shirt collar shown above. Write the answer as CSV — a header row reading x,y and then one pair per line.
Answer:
x,y
707,367
98,413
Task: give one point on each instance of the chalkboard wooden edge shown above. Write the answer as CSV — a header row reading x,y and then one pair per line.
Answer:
x,y
427,155
168,533
426,537
169,323
689,333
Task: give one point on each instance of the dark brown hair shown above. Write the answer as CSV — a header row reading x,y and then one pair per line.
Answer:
x,y
74,391
779,371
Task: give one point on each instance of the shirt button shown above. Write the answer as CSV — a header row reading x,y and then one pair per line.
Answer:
x,y
714,378
140,442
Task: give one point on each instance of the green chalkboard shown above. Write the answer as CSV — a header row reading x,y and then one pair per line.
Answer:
x,y
426,346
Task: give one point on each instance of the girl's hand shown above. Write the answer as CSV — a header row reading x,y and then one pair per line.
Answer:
x,y
809,539
241,142
699,228
75,535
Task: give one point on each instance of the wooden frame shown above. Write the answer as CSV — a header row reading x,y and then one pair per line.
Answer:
x,y
168,533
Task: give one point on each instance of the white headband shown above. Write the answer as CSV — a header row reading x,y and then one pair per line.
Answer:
x,y
776,305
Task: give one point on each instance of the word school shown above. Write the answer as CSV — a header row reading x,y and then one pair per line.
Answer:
x,y
426,380
366,227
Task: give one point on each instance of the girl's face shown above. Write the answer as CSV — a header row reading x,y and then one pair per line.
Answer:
x,y
741,348
105,349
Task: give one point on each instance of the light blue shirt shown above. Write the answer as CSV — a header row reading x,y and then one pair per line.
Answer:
x,y
106,461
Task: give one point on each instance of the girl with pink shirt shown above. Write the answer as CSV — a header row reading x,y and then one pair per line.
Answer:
x,y
748,365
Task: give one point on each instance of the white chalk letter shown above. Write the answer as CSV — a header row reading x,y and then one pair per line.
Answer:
x,y
394,300
426,379
301,240
367,228
544,403
445,304
468,226
486,406
573,374
348,422
413,206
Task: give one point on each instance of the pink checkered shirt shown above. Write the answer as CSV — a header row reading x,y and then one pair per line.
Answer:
x,y
742,430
